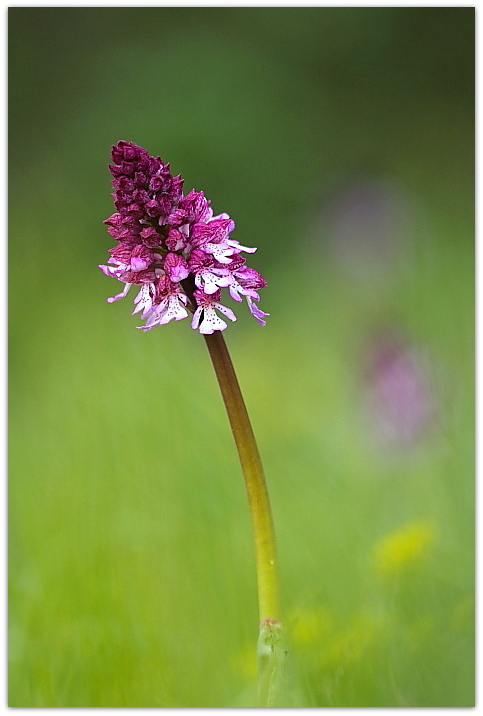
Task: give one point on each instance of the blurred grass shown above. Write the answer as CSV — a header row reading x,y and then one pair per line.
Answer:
x,y
131,564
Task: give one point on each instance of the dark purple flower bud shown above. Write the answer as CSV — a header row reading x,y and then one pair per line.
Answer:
x,y
130,222
165,175
195,205
140,179
176,189
142,165
114,219
154,165
115,170
176,267
121,198
122,252
133,210
128,235
200,235
177,218
127,151
221,228
152,209
249,278
199,260
117,151
213,233
128,167
139,277
115,232
175,241
237,261
124,184
164,203
129,154
141,258
150,237
140,196
157,183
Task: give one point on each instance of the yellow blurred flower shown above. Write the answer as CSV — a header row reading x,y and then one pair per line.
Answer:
x,y
316,635
244,662
309,625
351,644
403,547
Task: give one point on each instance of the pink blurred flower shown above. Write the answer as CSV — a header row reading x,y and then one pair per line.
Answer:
x,y
400,401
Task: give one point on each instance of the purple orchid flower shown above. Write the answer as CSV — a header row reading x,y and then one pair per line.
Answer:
x,y
173,248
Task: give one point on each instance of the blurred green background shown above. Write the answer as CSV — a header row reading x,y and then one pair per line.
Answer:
x,y
341,141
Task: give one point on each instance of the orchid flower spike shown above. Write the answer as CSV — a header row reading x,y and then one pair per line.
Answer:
x,y
172,247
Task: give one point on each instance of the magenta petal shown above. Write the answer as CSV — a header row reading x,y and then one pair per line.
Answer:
x,y
257,312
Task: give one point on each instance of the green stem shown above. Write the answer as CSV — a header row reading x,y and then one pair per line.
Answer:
x,y
256,486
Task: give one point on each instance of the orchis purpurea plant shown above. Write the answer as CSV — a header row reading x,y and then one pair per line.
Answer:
x,y
181,256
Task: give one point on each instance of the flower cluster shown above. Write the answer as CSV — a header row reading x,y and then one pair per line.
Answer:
x,y
172,247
